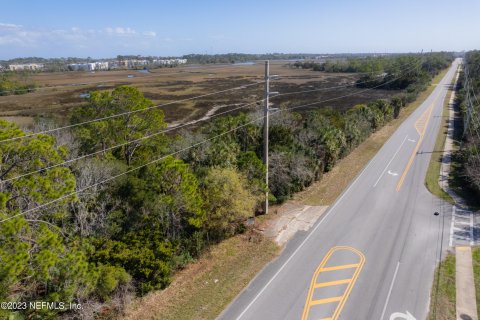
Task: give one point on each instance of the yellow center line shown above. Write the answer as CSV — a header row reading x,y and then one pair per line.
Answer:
x,y
317,286
421,127
332,283
345,266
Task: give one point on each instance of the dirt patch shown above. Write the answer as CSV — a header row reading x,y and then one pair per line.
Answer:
x,y
289,219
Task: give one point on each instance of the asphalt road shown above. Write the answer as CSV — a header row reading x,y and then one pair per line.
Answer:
x,y
373,254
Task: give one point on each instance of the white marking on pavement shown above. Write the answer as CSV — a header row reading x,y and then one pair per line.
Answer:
x,y
383,172
392,173
462,227
399,315
471,228
451,227
390,290
411,140
304,241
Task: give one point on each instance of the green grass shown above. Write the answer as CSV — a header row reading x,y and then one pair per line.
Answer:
x,y
433,172
476,275
443,296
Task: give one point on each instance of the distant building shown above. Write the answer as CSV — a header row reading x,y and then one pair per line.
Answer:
x,y
168,62
29,66
91,66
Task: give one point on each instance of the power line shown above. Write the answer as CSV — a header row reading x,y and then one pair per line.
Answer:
x,y
128,171
126,113
107,81
337,98
122,144
163,157
174,128
162,105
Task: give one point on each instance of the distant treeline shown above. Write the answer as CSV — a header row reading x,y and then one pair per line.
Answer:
x,y
468,157
58,64
411,73
241,57
102,245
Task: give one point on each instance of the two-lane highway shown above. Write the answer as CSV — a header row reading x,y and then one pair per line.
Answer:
x,y
373,254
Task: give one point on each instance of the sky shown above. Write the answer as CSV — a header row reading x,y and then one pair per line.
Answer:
x,y
107,28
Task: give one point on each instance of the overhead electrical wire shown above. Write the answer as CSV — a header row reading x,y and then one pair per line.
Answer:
x,y
170,154
184,125
167,104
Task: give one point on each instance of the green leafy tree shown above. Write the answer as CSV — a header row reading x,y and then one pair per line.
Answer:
x,y
36,262
100,135
228,202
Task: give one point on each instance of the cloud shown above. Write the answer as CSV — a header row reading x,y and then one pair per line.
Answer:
x,y
120,31
9,26
71,39
150,34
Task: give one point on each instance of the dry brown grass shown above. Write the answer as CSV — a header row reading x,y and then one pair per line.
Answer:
x,y
207,286
325,191
59,93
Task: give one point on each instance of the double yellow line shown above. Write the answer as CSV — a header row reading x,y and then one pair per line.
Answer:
x,y
314,285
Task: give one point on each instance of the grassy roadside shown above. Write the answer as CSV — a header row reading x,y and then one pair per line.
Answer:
x,y
476,275
207,286
433,171
443,296
325,191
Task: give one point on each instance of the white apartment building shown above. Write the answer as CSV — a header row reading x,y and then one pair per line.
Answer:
x,y
29,66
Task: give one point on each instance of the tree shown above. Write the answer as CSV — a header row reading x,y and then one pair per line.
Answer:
x,y
165,194
133,125
228,202
254,170
36,262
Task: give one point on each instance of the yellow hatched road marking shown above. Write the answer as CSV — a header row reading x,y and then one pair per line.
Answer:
x,y
317,286
332,283
345,266
326,300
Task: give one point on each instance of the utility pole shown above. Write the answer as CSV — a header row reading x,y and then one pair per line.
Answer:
x,y
266,111
266,95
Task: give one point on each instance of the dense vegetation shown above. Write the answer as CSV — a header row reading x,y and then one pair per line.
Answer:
x,y
468,157
241,57
403,72
100,246
10,86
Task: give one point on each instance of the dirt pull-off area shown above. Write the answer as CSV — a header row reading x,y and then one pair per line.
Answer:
x,y
290,218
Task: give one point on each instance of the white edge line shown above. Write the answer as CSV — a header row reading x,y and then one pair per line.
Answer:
x,y
451,227
390,290
383,172
303,242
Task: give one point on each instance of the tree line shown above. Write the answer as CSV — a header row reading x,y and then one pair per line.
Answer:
x,y
467,157
399,72
102,244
